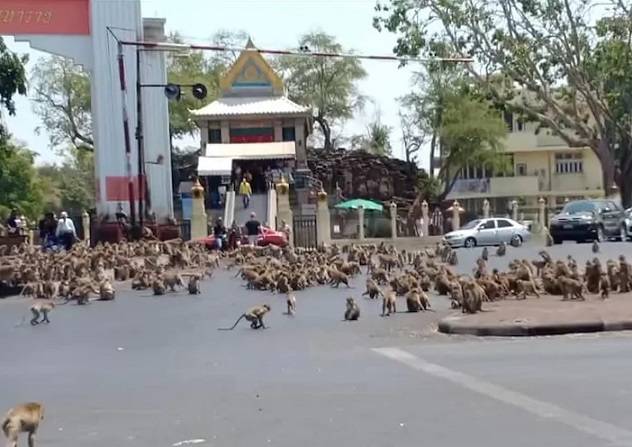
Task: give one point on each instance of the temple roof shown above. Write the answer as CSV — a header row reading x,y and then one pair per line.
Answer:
x,y
233,106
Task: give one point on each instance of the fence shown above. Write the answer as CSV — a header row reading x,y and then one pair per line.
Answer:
x,y
305,231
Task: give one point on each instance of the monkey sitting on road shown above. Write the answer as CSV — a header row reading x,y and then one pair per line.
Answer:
x,y
389,303
481,268
595,247
106,291
193,285
452,258
485,254
352,313
41,307
416,300
254,315
571,288
371,289
604,286
24,418
158,286
502,249
625,275
291,303
472,298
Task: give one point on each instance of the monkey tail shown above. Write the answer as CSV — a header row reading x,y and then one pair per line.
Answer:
x,y
5,426
234,325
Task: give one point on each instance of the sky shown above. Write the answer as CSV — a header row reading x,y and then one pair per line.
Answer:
x,y
271,24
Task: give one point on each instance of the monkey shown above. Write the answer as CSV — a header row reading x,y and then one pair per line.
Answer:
x,y
548,240
121,273
502,249
371,289
291,303
41,307
613,274
485,254
24,418
389,302
624,275
472,298
595,246
82,294
481,268
604,286
524,288
571,288
338,277
193,285
456,295
352,313
172,280
106,291
380,275
452,258
282,285
416,300
158,286
254,315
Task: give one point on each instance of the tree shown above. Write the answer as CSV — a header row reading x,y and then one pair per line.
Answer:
x,y
412,138
542,59
376,140
61,96
19,185
12,79
327,84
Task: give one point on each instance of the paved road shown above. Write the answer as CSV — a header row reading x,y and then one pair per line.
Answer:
x,y
154,371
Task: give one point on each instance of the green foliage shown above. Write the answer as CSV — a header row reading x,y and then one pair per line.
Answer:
x,y
543,59
12,78
61,95
327,84
71,185
376,140
20,187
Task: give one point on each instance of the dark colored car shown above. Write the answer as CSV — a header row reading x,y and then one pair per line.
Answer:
x,y
582,220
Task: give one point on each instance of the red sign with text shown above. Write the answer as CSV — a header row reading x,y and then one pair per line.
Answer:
x,y
44,17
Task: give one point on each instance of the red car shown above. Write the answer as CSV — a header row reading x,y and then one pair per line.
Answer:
x,y
268,236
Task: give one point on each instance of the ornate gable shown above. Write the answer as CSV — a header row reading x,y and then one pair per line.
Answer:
x,y
251,75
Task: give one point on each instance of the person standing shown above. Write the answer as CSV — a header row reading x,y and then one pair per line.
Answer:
x,y
219,231
66,233
13,223
253,228
245,191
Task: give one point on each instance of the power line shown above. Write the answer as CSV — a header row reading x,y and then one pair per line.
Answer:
x,y
166,46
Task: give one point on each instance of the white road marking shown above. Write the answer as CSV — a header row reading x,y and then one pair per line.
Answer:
x,y
604,430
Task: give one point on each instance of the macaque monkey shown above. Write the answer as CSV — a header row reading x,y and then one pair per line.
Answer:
x,y
158,286
524,288
485,254
389,302
571,288
338,277
502,249
472,298
452,258
106,291
24,418
416,300
254,315
595,247
371,289
353,311
624,275
193,285
604,286
481,268
548,241
291,303
172,280
41,307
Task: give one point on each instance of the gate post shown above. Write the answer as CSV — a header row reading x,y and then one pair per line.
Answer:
x,y
199,223
323,220
485,209
361,222
85,222
542,214
425,219
393,220
284,212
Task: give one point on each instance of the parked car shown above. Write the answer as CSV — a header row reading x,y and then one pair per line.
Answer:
x,y
595,220
490,231
268,236
627,221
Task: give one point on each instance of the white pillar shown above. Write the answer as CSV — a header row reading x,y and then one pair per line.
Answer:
x,y
361,223
284,212
542,214
514,210
323,219
456,217
485,208
393,220
425,218
199,223
85,223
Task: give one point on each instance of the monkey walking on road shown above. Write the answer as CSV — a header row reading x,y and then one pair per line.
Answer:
x,y
254,316
291,303
24,418
41,307
353,311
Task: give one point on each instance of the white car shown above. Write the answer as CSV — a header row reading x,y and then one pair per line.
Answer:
x,y
491,231
628,223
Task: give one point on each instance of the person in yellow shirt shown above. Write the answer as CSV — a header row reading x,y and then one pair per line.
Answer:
x,y
245,191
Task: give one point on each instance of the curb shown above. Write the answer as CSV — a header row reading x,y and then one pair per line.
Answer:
x,y
451,325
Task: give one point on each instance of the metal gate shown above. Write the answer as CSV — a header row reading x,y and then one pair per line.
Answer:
x,y
305,231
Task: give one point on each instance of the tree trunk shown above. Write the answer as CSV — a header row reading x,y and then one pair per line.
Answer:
x,y
326,130
433,147
624,179
606,159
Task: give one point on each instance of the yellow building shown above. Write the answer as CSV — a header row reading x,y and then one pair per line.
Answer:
x,y
540,165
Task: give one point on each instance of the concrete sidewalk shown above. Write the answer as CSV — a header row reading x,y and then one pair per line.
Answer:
x,y
548,315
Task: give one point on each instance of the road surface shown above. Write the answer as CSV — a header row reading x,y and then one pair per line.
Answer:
x,y
155,371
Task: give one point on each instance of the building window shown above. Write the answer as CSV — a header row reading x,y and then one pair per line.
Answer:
x,y
289,134
521,169
508,117
520,125
251,135
215,135
569,163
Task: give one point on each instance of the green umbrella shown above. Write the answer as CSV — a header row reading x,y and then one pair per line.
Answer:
x,y
354,204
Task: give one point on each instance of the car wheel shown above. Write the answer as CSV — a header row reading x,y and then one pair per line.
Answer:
x,y
600,235
470,242
516,240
